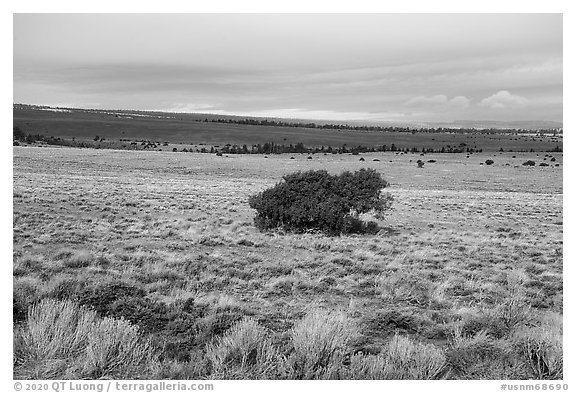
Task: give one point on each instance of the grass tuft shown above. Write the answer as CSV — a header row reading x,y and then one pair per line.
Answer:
x,y
320,339
244,352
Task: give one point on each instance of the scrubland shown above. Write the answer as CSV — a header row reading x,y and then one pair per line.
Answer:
x,y
138,265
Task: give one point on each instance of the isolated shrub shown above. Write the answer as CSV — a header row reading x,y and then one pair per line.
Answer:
x,y
489,162
316,200
529,163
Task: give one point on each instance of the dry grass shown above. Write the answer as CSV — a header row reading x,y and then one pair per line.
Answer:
x,y
541,347
466,247
320,341
62,340
244,352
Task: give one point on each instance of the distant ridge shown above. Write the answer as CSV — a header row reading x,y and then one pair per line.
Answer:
x,y
523,124
471,124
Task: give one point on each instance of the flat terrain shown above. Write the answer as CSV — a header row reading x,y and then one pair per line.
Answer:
x,y
467,249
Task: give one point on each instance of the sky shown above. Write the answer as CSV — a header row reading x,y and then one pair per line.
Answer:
x,y
377,67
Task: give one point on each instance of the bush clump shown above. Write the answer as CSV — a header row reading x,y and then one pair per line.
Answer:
x,y
245,351
316,200
320,340
63,340
529,163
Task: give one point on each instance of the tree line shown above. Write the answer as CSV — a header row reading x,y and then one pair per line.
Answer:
x,y
348,127
19,136
276,148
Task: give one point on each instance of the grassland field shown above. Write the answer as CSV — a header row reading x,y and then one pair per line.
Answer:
x,y
467,265
188,130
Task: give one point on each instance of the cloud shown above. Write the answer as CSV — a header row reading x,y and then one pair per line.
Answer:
x,y
188,107
504,100
311,114
459,102
439,101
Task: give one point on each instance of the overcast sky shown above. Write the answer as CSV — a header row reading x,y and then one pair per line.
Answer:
x,y
406,67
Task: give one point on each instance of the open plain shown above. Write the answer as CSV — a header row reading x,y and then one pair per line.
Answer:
x,y
463,279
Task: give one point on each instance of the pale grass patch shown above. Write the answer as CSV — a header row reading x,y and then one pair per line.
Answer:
x,y
30,262
421,255
541,346
176,295
362,367
219,300
244,352
320,339
283,283
57,329
397,262
403,286
408,360
365,255
63,340
515,279
114,346
481,357
194,232
401,359
438,293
